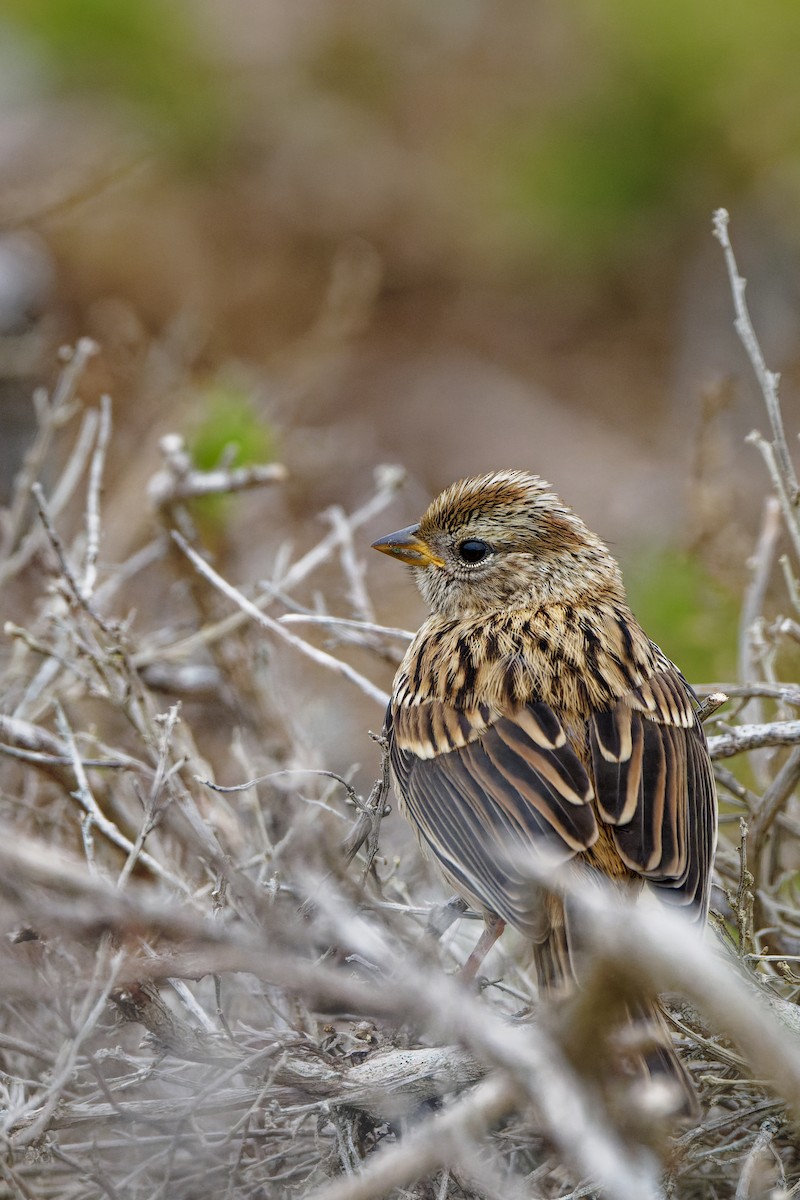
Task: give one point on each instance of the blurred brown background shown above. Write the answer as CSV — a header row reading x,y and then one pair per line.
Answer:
x,y
456,236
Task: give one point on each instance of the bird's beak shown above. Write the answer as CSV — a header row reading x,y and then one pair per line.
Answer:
x,y
409,547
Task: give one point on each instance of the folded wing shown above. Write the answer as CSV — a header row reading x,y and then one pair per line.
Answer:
x,y
486,792
655,787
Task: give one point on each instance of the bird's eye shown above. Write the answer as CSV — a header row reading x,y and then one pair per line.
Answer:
x,y
473,551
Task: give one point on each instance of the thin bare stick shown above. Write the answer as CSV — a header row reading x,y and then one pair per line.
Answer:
x,y
352,566
68,481
180,480
52,414
752,1163
62,494
712,702
93,499
93,1008
755,594
249,783
389,480
775,798
753,737
84,792
368,824
320,657
431,1145
786,693
767,451
98,818
151,813
366,627
55,540
768,380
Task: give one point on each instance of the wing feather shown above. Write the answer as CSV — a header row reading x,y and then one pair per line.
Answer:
x,y
486,788
655,788
513,789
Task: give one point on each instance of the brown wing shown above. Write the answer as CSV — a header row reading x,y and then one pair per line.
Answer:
x,y
655,786
485,792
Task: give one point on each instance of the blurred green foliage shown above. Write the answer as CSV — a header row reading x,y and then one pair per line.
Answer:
x,y
143,55
227,432
659,112
692,615
578,135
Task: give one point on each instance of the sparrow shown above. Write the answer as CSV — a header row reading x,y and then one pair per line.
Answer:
x,y
532,716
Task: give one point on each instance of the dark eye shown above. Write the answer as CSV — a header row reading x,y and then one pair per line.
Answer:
x,y
473,551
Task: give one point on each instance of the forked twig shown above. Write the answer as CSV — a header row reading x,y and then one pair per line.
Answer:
x,y
320,657
768,380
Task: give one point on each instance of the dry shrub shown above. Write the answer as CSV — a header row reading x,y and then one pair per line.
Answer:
x,y
233,992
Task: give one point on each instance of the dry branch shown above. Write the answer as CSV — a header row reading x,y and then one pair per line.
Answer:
x,y
320,657
441,1140
754,737
297,1013
180,480
768,380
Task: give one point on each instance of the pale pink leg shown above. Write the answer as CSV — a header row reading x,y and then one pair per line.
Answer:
x,y
493,927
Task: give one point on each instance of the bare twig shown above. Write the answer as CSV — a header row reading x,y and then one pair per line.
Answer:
x,y
786,693
753,605
51,415
97,818
365,627
155,800
368,824
775,798
788,507
181,480
437,1142
353,567
320,657
710,705
752,1163
56,543
62,494
93,499
768,380
753,737
389,479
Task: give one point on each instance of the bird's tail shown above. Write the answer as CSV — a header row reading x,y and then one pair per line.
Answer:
x,y
648,1054
629,1039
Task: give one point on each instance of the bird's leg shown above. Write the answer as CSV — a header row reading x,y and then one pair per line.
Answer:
x,y
493,927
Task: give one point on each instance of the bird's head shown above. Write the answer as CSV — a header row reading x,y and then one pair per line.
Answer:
x,y
502,541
